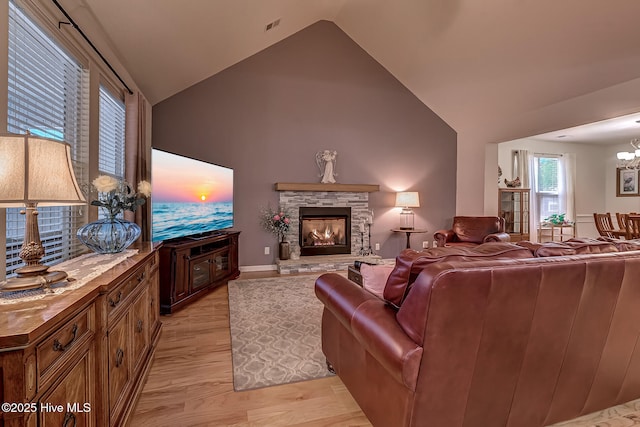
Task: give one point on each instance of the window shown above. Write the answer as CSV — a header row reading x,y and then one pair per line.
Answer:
x,y
48,94
112,133
112,121
547,185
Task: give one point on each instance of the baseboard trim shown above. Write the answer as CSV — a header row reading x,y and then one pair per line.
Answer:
x,y
249,268
274,267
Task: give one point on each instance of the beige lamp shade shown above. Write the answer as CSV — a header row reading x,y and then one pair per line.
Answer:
x,y
407,199
36,170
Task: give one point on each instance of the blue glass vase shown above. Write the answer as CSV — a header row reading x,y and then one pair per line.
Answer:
x,y
109,235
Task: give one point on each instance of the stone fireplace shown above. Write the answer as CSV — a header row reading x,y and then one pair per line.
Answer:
x,y
355,197
324,230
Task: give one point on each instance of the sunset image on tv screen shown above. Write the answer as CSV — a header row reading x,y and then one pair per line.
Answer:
x,y
189,196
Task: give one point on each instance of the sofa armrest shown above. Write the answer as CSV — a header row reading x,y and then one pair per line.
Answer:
x,y
497,237
443,236
341,296
373,324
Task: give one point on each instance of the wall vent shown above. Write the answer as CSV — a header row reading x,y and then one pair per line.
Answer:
x,y
272,25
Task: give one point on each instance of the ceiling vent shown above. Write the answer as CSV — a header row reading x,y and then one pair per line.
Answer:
x,y
272,25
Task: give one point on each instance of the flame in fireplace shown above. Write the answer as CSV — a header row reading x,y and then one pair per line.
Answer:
x,y
323,238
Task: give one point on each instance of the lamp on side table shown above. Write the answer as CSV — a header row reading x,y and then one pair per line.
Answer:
x,y
35,171
407,200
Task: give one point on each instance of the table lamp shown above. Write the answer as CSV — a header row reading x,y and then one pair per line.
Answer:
x,y
35,171
407,200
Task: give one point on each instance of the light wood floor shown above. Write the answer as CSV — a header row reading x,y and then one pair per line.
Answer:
x,y
190,382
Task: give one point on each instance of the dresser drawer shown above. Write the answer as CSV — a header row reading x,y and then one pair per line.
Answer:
x,y
139,329
153,263
115,298
58,347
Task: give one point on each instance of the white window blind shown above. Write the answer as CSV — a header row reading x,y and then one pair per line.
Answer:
x,y
111,140
112,121
48,94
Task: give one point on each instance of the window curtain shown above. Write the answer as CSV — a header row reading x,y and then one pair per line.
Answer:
x,y
137,157
532,184
522,167
566,186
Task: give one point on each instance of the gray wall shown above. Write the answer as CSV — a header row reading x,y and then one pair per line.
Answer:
x,y
268,115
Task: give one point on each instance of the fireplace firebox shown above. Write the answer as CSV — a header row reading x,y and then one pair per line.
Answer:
x,y
325,230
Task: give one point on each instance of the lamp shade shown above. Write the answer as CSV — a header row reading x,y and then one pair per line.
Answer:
x,y
36,170
407,199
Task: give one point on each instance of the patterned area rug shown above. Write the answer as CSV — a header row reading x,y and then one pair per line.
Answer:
x,y
275,331
625,415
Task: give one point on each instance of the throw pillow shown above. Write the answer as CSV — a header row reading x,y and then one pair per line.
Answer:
x,y
374,277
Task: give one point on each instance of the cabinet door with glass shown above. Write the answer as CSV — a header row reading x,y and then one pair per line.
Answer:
x,y
513,206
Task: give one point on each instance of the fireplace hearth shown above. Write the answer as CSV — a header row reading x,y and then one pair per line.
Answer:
x,y
325,230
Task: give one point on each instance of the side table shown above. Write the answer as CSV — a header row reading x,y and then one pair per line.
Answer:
x,y
354,275
409,233
556,233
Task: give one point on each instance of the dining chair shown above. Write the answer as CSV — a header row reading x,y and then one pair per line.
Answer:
x,y
633,227
622,219
604,225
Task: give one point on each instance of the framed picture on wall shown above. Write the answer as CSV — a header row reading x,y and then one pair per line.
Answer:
x,y
627,182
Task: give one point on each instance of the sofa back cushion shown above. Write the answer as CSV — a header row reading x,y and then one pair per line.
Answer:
x,y
576,246
410,263
622,245
473,229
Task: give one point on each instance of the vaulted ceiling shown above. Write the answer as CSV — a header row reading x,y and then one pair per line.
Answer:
x,y
477,64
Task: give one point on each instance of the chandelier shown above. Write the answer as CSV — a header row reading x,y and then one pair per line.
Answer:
x,y
630,159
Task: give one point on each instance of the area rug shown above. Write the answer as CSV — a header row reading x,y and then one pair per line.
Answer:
x,y
275,331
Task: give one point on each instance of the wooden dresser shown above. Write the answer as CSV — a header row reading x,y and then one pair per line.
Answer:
x,y
80,358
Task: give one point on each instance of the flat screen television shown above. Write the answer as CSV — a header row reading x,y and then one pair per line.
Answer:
x,y
189,197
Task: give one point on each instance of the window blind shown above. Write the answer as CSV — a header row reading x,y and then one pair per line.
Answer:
x,y
111,139
48,96
112,131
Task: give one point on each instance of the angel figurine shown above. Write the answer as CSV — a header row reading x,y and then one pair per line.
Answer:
x,y
326,161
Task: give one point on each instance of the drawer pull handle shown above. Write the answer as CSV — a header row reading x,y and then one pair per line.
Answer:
x,y
119,357
69,417
62,347
115,302
141,277
139,326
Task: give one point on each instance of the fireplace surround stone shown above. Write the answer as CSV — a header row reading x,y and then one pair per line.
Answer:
x,y
291,201
292,196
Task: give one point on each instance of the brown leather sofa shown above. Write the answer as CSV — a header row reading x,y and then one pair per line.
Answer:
x,y
499,338
472,230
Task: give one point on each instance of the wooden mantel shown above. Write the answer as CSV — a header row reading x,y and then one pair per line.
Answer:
x,y
318,186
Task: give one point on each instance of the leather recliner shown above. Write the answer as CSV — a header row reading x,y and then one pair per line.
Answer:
x,y
472,230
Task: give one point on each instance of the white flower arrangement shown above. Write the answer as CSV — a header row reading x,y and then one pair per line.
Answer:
x,y
117,196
